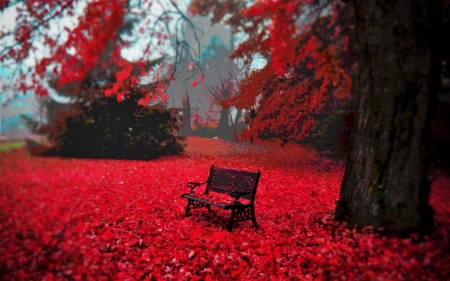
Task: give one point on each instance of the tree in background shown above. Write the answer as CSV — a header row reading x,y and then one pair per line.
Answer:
x,y
186,128
219,95
303,43
216,65
220,85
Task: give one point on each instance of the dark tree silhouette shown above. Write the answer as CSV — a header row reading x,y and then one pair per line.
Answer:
x,y
386,180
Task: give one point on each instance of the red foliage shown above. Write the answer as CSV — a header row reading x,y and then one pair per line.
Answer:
x,y
86,41
306,70
199,81
95,32
117,220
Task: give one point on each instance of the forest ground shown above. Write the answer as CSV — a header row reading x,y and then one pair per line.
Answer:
x,y
85,219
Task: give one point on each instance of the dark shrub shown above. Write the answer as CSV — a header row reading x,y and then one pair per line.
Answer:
x,y
107,128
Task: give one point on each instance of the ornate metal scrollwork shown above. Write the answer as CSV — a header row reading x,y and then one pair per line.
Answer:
x,y
232,182
242,214
193,185
195,204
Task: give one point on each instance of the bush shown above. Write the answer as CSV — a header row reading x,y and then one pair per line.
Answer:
x,y
106,128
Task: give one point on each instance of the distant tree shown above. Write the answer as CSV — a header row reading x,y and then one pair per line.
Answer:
x,y
304,43
186,128
219,96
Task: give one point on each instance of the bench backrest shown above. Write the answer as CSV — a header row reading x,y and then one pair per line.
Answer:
x,y
225,180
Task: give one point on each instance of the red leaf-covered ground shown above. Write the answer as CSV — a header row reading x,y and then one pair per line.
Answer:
x,y
81,219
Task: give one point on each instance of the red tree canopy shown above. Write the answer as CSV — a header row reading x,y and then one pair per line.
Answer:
x,y
67,40
305,43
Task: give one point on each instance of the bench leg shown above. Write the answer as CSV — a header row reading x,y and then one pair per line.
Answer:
x,y
209,208
188,207
230,225
254,217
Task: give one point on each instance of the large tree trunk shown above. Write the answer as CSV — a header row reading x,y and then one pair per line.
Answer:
x,y
385,182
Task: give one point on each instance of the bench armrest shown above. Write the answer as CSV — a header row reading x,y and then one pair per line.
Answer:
x,y
193,185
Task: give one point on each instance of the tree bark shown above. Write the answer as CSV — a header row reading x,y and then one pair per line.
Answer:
x,y
385,182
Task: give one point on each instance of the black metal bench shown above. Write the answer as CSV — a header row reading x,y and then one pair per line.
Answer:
x,y
238,184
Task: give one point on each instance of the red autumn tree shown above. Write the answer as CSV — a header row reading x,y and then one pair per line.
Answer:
x,y
69,38
305,71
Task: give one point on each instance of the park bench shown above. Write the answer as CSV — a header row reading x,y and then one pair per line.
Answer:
x,y
224,189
